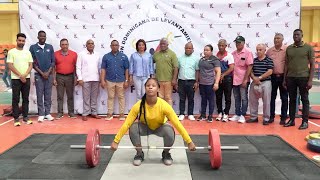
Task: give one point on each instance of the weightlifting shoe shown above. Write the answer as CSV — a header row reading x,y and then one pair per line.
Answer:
x,y
289,123
138,158
166,158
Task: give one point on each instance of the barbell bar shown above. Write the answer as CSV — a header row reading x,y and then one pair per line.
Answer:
x,y
155,147
93,146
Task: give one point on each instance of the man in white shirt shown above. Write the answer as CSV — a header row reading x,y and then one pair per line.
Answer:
x,y
88,66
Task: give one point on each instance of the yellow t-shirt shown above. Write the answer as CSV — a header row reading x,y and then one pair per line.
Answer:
x,y
156,116
20,60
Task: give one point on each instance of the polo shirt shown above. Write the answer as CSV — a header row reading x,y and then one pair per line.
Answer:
x,y
65,63
242,60
188,65
42,58
165,61
206,68
20,60
115,66
279,59
298,60
262,66
225,60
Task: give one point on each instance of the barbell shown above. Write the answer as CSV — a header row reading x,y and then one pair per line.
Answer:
x,y
93,146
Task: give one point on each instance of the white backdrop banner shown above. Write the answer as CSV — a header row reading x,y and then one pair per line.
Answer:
x,y
199,21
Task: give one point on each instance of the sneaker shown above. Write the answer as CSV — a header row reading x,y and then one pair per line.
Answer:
x,y
191,118
209,119
166,158
9,90
59,116
17,124
49,117
27,121
72,115
40,119
122,117
138,158
219,117
234,118
201,118
241,119
181,117
109,117
225,118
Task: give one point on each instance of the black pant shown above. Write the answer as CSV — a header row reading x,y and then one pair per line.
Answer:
x,y
277,81
293,83
65,83
185,89
207,94
24,88
224,88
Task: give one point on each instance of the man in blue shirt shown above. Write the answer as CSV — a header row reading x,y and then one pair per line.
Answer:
x,y
43,62
115,76
187,84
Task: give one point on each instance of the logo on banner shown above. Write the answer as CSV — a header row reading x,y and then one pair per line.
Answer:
x,y
170,29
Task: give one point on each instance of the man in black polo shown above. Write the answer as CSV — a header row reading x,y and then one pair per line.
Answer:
x,y
299,71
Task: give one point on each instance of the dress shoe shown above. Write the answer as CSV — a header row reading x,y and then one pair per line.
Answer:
x,y
252,120
304,125
289,123
84,118
283,120
271,120
96,116
265,123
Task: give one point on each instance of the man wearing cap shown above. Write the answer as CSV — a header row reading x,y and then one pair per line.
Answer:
x,y
243,61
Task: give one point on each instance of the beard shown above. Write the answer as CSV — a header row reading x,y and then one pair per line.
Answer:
x,y
20,45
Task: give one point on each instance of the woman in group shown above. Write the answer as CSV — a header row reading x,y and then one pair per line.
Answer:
x,y
210,71
153,114
140,68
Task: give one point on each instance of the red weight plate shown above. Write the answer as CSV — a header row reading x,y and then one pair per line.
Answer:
x,y
215,152
93,153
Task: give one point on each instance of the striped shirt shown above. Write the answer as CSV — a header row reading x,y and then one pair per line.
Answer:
x,y
262,66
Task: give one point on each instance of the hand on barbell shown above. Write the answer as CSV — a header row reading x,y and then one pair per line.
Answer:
x,y
191,146
114,146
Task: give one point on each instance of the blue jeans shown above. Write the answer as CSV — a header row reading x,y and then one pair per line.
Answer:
x,y
241,99
139,86
6,79
43,90
207,94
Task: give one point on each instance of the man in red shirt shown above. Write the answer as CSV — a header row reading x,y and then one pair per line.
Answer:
x,y
64,77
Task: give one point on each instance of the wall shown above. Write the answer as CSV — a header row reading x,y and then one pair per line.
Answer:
x,y
310,21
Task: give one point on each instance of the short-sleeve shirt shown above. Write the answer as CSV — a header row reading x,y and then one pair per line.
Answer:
x,y
242,61
65,63
188,65
298,60
115,66
279,59
207,72
20,60
166,61
225,60
262,66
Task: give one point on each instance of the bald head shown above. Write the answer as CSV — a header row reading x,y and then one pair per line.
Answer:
x,y
261,50
188,48
90,45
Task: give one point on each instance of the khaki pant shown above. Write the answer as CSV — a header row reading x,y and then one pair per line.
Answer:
x,y
112,89
166,91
